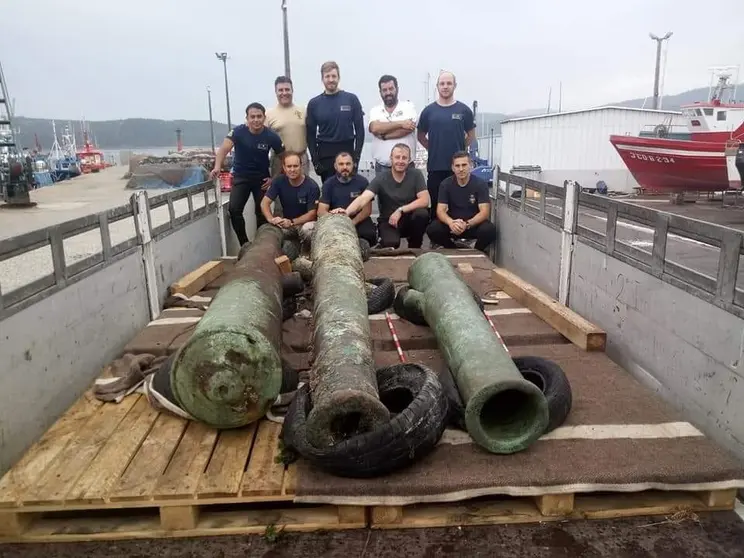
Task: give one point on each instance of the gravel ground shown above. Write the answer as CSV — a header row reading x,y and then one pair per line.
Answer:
x,y
714,535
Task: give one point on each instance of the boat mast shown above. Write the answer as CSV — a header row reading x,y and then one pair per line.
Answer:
x,y
287,71
657,72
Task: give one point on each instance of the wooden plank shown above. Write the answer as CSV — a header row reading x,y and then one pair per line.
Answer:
x,y
14,524
284,264
290,480
195,281
465,268
719,498
568,323
189,461
555,505
178,518
54,485
115,456
225,469
265,472
27,472
352,515
142,475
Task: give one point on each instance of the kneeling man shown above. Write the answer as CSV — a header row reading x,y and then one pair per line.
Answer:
x,y
298,195
341,189
402,198
463,208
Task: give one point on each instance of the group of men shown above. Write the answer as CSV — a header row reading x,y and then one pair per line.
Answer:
x,y
275,148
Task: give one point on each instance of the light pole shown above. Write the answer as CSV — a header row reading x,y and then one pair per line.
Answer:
x,y
211,121
287,70
658,40
223,56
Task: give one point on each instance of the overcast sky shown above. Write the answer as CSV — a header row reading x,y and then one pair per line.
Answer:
x,y
154,58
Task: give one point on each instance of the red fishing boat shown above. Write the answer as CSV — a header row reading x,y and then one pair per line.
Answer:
x,y
666,160
91,159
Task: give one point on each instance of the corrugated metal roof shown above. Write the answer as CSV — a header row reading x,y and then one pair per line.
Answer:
x,y
593,109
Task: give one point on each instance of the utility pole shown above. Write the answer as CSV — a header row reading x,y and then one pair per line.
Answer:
x,y
211,121
658,40
287,71
223,56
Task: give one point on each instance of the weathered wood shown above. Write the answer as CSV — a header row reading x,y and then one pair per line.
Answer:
x,y
285,265
195,281
229,372
504,413
579,331
345,398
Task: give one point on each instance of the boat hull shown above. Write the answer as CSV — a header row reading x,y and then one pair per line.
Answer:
x,y
667,165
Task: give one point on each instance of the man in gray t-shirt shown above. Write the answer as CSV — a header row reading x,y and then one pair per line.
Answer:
x,y
403,200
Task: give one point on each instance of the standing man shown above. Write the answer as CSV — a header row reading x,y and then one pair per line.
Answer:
x,y
445,127
335,123
252,142
403,200
463,208
287,119
391,122
340,190
298,195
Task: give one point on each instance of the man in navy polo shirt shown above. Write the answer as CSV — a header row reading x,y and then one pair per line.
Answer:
x,y
343,188
252,142
463,208
445,127
335,122
298,195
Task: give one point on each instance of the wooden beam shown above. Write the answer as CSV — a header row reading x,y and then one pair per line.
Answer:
x,y
193,282
284,264
568,323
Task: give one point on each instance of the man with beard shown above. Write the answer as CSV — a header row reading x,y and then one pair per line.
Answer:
x,y
298,195
445,127
391,122
288,120
463,208
340,190
403,200
335,123
252,142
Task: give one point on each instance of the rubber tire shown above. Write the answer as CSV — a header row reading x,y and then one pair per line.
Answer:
x,y
382,297
291,249
456,413
289,308
290,378
410,435
415,317
292,284
365,248
551,379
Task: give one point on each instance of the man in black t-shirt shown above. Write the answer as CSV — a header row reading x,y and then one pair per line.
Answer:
x,y
463,208
298,195
343,188
402,198
252,142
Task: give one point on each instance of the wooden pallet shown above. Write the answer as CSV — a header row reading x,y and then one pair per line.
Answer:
x,y
113,471
551,507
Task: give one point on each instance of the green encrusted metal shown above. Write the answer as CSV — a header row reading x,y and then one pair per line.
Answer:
x,y
344,384
504,413
229,372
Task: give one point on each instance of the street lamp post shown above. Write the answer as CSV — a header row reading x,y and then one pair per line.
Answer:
x,y
658,40
287,71
223,56
211,120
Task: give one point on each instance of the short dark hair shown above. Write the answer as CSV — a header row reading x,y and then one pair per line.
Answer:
x,y
328,66
283,79
287,154
385,79
343,154
258,106
460,155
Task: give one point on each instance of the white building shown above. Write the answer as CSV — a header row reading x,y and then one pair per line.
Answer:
x,y
575,145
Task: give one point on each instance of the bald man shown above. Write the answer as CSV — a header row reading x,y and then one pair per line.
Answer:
x,y
445,127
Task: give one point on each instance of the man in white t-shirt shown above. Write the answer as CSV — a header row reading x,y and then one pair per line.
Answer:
x,y
390,123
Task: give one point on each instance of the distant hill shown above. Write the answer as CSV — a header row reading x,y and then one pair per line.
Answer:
x,y
141,132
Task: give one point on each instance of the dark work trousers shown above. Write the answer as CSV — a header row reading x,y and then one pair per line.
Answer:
x,y
484,234
326,157
242,188
411,226
366,229
432,184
